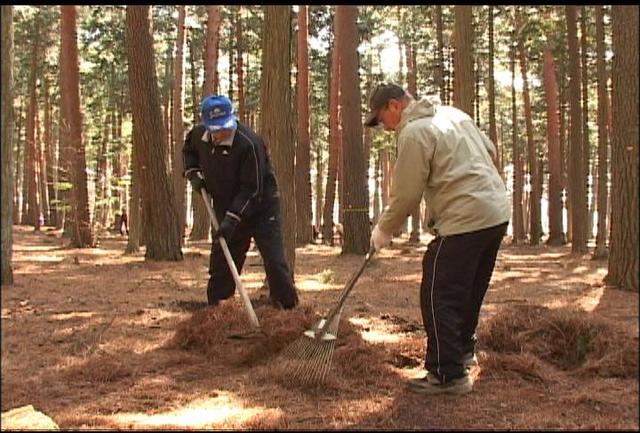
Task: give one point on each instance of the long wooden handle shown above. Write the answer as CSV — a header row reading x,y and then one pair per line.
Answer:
x,y
343,296
230,262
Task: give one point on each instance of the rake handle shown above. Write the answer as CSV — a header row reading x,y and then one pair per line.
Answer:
x,y
230,262
343,296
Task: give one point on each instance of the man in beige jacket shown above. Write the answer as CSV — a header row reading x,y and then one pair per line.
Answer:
x,y
445,157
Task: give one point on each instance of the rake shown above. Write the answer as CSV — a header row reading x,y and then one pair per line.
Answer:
x,y
234,270
314,349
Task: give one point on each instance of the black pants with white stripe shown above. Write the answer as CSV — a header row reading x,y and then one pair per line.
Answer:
x,y
266,229
456,271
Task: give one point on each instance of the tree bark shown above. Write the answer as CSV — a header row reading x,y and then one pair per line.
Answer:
x,y
83,235
518,175
179,185
623,271
578,194
6,135
303,155
556,235
276,124
356,195
463,93
600,251
160,216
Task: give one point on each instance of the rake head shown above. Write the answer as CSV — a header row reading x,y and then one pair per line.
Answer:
x,y
310,355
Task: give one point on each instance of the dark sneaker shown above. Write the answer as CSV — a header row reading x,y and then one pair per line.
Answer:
x,y
430,385
469,360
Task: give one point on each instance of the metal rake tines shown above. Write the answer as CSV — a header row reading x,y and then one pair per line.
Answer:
x,y
311,355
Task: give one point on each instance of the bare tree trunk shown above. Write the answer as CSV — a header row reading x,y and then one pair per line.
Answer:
x,y
518,175
439,72
463,93
6,137
32,214
162,231
179,186
277,125
334,143
534,198
493,132
623,271
303,155
356,195
586,148
555,182
600,251
242,111
578,194
84,235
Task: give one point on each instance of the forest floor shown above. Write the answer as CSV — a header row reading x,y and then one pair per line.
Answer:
x,y
97,339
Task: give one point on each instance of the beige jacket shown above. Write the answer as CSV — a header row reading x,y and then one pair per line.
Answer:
x,y
443,155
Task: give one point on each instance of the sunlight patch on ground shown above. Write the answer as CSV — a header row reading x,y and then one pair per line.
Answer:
x,y
374,332
591,300
203,413
72,315
310,285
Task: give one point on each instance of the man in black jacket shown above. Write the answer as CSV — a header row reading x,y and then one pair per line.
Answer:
x,y
231,162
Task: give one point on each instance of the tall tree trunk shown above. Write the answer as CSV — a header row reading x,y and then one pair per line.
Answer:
x,y
211,51
553,139
201,224
19,162
412,81
534,181
277,125
6,137
334,142
162,231
70,69
600,251
623,271
463,66
356,195
47,156
518,175
440,70
179,186
491,94
578,194
41,161
303,155
133,242
33,210
242,111
586,148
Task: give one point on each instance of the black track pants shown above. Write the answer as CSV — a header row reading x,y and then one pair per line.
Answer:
x,y
456,271
266,230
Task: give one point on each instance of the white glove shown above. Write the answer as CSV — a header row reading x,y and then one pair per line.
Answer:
x,y
379,239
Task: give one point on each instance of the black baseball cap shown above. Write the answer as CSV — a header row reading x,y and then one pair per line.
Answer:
x,y
379,97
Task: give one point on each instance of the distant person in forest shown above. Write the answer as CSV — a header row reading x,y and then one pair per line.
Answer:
x,y
230,161
124,223
443,155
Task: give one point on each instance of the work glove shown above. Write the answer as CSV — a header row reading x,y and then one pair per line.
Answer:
x,y
196,179
379,239
227,227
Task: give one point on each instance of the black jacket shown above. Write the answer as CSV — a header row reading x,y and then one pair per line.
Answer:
x,y
239,177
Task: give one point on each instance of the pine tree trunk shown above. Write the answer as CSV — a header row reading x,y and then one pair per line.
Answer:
x,y
534,198
356,195
555,182
83,235
303,155
277,127
161,231
518,175
334,143
463,93
600,251
623,271
6,137
211,52
491,95
242,111
32,214
578,194
439,72
179,185
586,148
